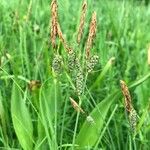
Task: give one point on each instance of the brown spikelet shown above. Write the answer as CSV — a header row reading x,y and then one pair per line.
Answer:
x,y
127,96
76,106
148,55
132,115
60,35
54,17
92,33
82,21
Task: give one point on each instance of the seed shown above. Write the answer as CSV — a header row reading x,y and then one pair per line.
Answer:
x,y
76,106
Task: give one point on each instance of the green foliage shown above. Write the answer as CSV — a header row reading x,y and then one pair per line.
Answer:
x,y
42,117
21,119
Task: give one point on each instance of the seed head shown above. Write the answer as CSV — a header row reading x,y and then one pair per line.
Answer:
x,y
91,63
54,21
92,34
56,64
60,35
79,83
82,21
127,96
133,119
71,60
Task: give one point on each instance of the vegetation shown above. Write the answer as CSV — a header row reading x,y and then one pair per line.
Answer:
x,y
74,74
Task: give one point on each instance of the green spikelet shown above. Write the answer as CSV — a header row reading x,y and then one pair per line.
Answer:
x,y
77,64
79,77
56,64
79,83
91,63
133,119
71,61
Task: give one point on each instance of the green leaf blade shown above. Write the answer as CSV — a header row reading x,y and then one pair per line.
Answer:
x,y
21,119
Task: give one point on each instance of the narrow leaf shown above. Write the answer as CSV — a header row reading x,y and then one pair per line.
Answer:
x,y
90,133
21,119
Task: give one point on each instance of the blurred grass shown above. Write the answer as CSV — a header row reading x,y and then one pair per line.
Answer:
x,y
122,32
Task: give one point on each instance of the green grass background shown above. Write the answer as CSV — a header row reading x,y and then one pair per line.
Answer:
x,y
44,118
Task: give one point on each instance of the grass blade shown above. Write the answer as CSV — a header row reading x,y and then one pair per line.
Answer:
x,y
21,119
89,138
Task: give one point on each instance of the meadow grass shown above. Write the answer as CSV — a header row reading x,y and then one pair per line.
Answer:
x,y
36,83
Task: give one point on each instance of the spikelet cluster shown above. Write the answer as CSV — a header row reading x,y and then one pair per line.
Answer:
x,y
79,82
56,64
92,34
127,96
133,119
82,21
77,64
79,77
132,115
91,63
71,60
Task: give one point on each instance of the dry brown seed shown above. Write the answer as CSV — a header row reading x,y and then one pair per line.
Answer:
x,y
76,106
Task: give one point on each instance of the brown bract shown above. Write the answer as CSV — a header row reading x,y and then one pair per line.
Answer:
x,y
82,22
54,17
92,34
60,35
76,106
127,96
